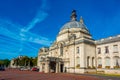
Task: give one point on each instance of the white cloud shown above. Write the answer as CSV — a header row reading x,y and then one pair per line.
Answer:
x,y
39,17
15,32
13,40
17,39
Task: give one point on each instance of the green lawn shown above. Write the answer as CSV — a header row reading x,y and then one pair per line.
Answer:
x,y
102,74
113,75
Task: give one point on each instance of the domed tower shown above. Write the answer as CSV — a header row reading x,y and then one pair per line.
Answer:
x,y
77,45
73,50
75,27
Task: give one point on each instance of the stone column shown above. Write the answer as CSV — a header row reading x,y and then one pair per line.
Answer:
x,y
103,62
57,67
83,59
46,67
112,63
89,62
64,67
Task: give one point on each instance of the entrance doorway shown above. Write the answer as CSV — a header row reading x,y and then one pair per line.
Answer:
x,y
61,67
53,66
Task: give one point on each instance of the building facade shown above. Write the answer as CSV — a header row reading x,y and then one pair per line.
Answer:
x,y
75,51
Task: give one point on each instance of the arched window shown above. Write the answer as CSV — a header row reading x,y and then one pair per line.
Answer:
x,y
93,62
99,62
78,50
88,61
107,62
116,61
61,50
77,62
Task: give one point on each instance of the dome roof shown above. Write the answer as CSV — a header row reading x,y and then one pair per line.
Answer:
x,y
74,24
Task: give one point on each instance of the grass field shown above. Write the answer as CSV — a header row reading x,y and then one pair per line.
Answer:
x,y
112,75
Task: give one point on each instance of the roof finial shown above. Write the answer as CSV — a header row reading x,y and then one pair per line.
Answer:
x,y
73,15
81,20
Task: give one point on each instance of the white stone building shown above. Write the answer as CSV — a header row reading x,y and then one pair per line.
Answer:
x,y
75,51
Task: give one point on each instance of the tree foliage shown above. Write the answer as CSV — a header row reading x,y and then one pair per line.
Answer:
x,y
5,62
25,61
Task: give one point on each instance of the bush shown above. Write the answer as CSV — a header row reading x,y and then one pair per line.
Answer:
x,y
93,67
89,67
99,66
107,67
78,66
116,67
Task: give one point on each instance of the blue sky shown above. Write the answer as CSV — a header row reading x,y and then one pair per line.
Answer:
x,y
27,25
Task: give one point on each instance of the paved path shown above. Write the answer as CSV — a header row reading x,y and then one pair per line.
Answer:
x,y
29,75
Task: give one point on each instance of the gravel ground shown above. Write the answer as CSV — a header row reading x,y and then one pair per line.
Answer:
x,y
31,75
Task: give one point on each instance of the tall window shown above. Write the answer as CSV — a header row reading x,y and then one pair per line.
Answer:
x,y
99,63
77,60
51,54
99,50
106,49
93,61
116,61
61,50
77,49
115,48
107,62
88,61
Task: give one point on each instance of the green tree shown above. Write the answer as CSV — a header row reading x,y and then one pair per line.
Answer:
x,y
1,62
34,61
5,62
25,61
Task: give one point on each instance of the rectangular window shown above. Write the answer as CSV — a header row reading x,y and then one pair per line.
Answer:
x,y
106,49
51,54
99,50
115,48
77,49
